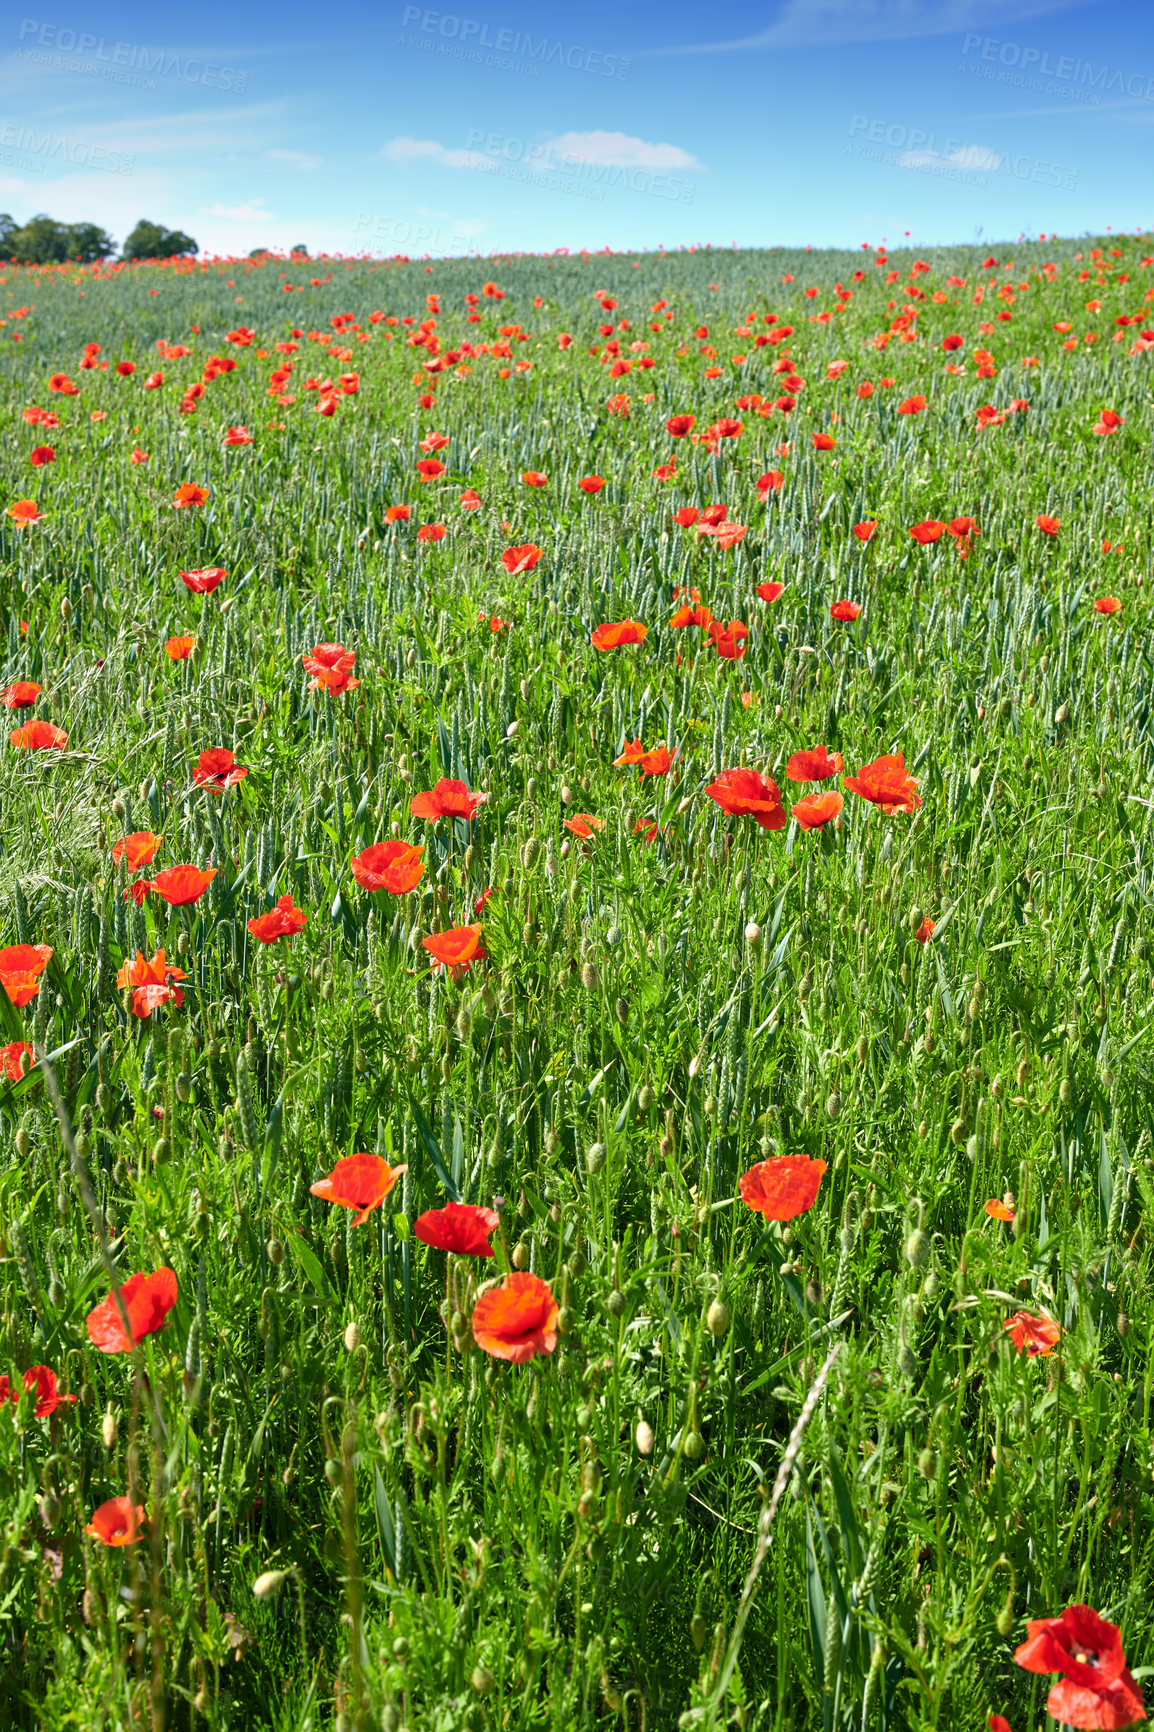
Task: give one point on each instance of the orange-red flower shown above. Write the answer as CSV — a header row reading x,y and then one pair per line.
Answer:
x,y
655,762
147,1300
40,1379
331,666
912,405
153,983
40,455
283,921
394,866
523,558
39,737
928,530
633,754
845,611
678,426
1048,525
535,478
999,1211
136,850
770,591
745,794
398,513
1095,1689
816,810
457,949
885,783
782,1187
815,765
117,1522
463,1228
180,886
217,770
12,1059
866,529
178,649
431,532
612,636
1038,1335
687,516
925,931
188,494
591,483
771,482
430,469
449,799
1107,604
20,695
360,1182
205,579
516,1320
584,824
21,966
823,442
26,511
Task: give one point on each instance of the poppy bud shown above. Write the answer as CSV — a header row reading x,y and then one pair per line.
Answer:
x,y
410,658
530,853
717,1318
958,1132
1065,1091
333,1471
645,1098
23,1143
753,935
698,1630
65,608
108,1429
589,976
512,730
352,1338
267,1584
595,1157
928,1464
643,1438
917,1249
1122,1323
566,795
833,1105
616,1303
482,1680
694,1446
916,917
621,1008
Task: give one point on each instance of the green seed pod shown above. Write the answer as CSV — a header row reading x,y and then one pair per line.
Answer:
x,y
694,1446
917,1249
717,1318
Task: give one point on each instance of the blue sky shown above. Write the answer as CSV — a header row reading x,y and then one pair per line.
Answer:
x,y
506,126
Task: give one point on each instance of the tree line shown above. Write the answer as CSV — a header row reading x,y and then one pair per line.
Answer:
x,y
44,241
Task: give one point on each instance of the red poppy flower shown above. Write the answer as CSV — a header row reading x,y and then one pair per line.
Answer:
x,y
430,469
238,436
866,529
535,478
463,1228
999,1211
516,1320
782,1187
865,390
204,580
394,866
815,765
885,783
1038,1335
11,1059
21,966
189,494
1048,525
152,983
845,611
136,455
39,736
1108,422
584,824
678,426
1107,604
687,516
1096,1689
953,342
729,640
40,1379
26,511
816,810
591,483
625,631
20,695
655,762
449,799
519,559
663,472
178,649
770,591
283,921
217,770
180,886
61,383
493,621
138,890
823,442
725,534
398,513
360,1182
431,532
633,753
929,530
646,827
457,949
926,930
136,850
434,441
40,455
771,482
745,794
912,406
117,1522
147,1299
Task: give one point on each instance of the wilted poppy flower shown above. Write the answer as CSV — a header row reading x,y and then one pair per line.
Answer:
x,y
516,1320
625,631
21,966
463,1228
584,824
180,886
138,890
816,810
782,1187
457,949
26,511
394,866
926,930
1096,1688
178,649
117,1522
360,1182
815,765
999,1211
535,478
398,513
283,921
152,983
866,529
678,426
20,695
449,799
519,559
885,783
745,794
147,1299
136,850
431,532
770,591
39,737
189,494
846,611
1107,604
929,530
591,483
646,827
1038,1335
41,1381
204,580
217,770
12,1057
1048,525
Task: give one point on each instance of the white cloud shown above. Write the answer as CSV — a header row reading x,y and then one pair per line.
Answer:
x,y
292,159
251,212
820,23
598,149
619,150
406,149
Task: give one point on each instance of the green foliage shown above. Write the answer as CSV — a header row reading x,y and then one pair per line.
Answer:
x,y
44,241
150,240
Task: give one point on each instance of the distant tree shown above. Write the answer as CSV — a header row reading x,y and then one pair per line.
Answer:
x,y
44,241
299,251
154,241
86,243
8,227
